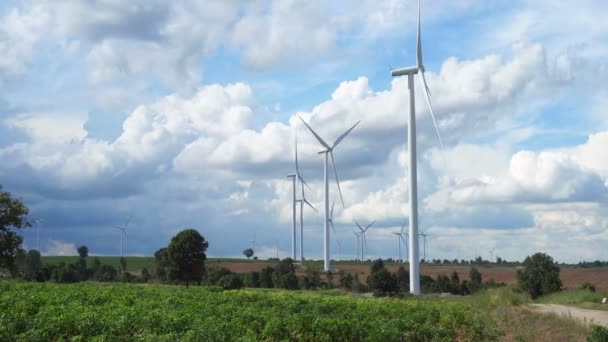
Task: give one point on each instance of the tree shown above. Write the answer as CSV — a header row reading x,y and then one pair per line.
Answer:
x,y
248,253
83,251
312,277
381,282
12,216
540,275
475,280
403,280
32,269
162,263
186,254
266,277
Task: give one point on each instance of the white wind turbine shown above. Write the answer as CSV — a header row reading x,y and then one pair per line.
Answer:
x,y
329,151
363,239
411,133
424,235
123,234
300,176
400,234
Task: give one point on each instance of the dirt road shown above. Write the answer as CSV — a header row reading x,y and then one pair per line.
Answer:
x,y
586,316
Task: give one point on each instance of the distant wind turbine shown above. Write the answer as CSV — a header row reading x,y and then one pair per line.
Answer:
x,y
364,240
424,235
328,151
400,234
411,133
299,175
123,234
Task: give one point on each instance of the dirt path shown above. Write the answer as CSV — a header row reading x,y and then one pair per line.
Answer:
x,y
585,315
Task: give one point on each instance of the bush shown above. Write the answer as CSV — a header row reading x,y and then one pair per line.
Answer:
x,y
588,286
540,275
597,334
231,282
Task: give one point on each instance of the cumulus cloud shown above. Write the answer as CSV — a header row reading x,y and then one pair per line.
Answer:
x,y
60,248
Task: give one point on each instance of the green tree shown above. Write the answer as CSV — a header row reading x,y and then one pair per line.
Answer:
x,y
475,280
231,281
162,263
455,281
186,254
266,277
381,282
83,251
312,277
403,280
12,217
540,275
32,270
248,253
346,280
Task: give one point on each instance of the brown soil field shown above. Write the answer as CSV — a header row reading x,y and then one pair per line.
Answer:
x,y
572,277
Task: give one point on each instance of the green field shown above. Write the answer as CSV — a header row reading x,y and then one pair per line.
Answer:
x,y
46,311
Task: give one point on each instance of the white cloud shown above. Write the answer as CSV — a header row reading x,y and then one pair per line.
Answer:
x,y
60,248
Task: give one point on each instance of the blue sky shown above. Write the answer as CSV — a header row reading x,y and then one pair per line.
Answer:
x,y
183,114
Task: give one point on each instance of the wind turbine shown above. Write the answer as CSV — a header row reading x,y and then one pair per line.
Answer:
x,y
424,235
300,176
123,234
38,221
411,133
253,242
364,240
329,151
400,235
358,235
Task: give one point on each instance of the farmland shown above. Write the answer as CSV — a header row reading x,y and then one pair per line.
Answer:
x,y
46,311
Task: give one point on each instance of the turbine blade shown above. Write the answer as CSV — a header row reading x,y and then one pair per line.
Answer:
x,y
369,225
331,213
321,141
427,96
358,225
419,44
333,163
331,223
128,220
310,205
299,173
340,138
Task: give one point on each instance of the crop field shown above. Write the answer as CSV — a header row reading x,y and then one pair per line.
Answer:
x,y
46,311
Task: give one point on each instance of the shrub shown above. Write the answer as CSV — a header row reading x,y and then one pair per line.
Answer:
x,y
231,282
540,275
588,286
597,334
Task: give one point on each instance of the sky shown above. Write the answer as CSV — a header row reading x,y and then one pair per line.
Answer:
x,y
184,114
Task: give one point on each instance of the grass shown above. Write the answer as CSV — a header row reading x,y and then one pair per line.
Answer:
x,y
508,308
580,298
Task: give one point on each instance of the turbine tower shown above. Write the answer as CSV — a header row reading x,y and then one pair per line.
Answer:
x,y
411,134
400,235
364,240
38,221
329,152
123,234
358,243
293,215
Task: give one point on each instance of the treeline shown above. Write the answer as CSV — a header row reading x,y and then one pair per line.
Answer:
x,y
28,266
381,282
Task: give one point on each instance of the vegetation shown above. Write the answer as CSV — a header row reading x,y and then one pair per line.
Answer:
x,y
540,275
248,253
12,217
35,311
186,256
582,298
